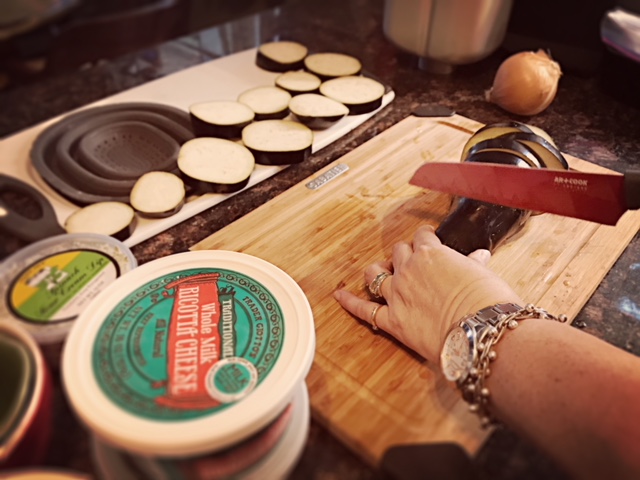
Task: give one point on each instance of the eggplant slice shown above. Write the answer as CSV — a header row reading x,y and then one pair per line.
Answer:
x,y
359,94
317,111
215,165
332,65
158,194
267,102
116,219
278,142
548,153
223,119
281,56
298,82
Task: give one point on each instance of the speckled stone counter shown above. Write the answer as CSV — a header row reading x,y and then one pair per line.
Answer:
x,y
585,122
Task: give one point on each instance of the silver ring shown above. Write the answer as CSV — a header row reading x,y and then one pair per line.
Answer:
x,y
374,287
374,325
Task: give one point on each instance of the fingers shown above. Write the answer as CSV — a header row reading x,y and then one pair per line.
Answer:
x,y
377,278
426,236
481,256
370,312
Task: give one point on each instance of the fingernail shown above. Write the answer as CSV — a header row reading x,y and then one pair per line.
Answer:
x,y
337,294
484,255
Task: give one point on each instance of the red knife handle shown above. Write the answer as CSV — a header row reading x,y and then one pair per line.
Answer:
x,y
632,189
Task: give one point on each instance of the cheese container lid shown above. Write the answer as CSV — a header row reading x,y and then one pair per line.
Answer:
x,y
46,285
278,462
189,354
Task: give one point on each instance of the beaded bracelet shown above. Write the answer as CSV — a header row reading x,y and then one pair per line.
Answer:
x,y
473,388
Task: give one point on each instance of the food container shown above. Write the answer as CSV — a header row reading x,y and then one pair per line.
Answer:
x,y
189,355
25,399
269,454
446,33
46,285
43,473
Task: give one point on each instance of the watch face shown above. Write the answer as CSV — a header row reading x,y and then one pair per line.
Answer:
x,y
457,355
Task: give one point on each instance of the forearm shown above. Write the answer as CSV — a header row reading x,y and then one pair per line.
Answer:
x,y
574,395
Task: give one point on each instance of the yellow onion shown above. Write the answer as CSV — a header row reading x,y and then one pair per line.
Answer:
x,y
525,83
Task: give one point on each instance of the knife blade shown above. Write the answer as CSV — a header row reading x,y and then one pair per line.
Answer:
x,y
601,198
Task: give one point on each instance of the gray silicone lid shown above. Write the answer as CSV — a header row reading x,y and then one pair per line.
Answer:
x,y
55,152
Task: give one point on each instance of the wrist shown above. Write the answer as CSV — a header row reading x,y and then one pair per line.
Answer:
x,y
469,349
470,308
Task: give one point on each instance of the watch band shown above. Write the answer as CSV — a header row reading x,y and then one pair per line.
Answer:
x,y
490,324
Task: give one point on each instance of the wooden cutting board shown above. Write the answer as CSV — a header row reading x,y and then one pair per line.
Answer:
x,y
366,388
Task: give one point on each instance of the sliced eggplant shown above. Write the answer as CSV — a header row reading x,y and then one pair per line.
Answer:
x,y
281,56
331,65
115,219
223,119
359,94
278,142
492,131
472,224
317,111
507,144
542,133
267,102
298,82
215,165
549,155
158,194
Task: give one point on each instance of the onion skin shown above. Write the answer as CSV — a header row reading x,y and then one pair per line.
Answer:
x,y
526,83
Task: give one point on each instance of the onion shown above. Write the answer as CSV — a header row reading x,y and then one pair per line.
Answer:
x,y
525,83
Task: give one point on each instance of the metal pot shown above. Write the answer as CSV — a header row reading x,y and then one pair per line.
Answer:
x,y
446,33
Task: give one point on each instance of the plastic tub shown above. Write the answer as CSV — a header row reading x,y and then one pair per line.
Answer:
x,y
46,285
27,399
276,463
189,354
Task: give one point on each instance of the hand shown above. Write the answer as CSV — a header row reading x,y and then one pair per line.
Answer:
x,y
430,287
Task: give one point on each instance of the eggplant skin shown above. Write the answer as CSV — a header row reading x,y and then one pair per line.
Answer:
x,y
201,187
360,108
272,115
271,65
318,123
281,158
201,128
166,214
474,225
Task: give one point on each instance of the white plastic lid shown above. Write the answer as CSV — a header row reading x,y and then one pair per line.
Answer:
x,y
285,455
276,464
189,354
46,285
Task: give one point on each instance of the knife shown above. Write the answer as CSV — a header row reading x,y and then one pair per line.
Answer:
x,y
601,198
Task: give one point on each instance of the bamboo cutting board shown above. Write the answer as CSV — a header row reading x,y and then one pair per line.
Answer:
x,y
367,389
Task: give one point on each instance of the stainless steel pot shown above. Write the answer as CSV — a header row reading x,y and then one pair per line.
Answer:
x,y
446,33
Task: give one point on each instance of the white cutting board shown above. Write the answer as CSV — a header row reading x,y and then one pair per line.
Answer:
x,y
221,79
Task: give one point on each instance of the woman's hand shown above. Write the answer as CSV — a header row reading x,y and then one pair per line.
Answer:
x,y
429,287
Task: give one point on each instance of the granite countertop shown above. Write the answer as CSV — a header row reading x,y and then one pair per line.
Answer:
x,y
584,120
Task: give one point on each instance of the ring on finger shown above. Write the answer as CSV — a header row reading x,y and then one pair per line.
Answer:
x,y
374,286
374,325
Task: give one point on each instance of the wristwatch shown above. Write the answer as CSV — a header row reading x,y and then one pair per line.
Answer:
x,y
460,351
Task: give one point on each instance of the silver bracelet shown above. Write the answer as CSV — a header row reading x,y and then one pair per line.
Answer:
x,y
473,388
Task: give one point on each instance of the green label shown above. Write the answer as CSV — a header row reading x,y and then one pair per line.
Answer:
x,y
58,287
188,344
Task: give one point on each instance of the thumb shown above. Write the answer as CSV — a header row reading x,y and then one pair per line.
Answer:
x,y
481,256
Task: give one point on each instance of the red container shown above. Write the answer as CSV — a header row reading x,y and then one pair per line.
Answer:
x,y
26,395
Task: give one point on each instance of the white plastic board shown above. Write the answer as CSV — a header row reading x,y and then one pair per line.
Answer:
x,y
221,79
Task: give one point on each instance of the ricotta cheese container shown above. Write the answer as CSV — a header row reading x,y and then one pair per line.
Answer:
x,y
271,454
189,354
